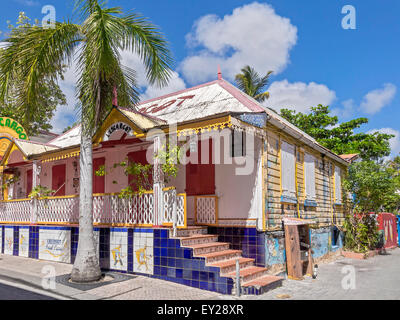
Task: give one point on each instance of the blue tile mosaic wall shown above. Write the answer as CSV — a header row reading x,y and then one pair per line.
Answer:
x,y
103,241
169,261
16,241
34,242
175,263
249,240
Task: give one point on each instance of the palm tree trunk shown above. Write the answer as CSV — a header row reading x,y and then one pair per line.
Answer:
x,y
86,267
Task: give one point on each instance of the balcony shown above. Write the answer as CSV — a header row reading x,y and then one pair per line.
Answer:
x,y
108,209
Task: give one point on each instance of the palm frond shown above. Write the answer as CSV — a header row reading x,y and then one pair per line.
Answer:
x,y
35,54
250,82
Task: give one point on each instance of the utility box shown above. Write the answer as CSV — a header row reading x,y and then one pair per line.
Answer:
x,y
298,248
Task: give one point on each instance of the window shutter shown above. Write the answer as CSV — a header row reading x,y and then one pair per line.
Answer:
x,y
288,171
309,176
338,186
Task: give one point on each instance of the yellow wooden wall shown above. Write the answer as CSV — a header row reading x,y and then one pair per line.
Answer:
x,y
326,213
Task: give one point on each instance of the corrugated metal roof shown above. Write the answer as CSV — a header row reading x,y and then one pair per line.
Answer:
x,y
70,138
31,148
200,102
196,103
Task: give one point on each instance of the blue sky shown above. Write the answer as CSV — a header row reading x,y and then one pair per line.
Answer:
x,y
313,58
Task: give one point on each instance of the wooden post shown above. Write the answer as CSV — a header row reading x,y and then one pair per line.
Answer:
x,y
292,243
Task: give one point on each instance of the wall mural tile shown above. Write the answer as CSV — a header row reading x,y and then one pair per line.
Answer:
x,y
55,244
8,240
119,249
23,250
143,260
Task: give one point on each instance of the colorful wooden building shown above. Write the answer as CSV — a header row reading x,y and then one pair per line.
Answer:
x,y
245,169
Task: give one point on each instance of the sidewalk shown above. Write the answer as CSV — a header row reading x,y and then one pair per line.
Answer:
x,y
28,272
375,278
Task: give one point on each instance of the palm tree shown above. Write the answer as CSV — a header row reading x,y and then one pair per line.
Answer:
x,y
250,82
97,41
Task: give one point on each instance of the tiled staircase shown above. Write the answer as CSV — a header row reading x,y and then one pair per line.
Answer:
x,y
253,279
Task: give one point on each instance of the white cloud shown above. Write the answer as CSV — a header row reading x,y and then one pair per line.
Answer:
x,y
133,61
347,111
252,35
29,3
176,83
376,99
298,96
66,115
394,142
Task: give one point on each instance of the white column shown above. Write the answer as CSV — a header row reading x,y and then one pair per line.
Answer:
x,y
35,182
158,183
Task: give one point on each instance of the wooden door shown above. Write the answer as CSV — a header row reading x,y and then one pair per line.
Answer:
x,y
98,181
58,180
29,182
200,177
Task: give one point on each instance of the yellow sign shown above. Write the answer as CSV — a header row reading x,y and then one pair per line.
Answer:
x,y
10,128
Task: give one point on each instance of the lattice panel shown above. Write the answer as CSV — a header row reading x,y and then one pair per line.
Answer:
x,y
138,209
16,211
206,210
58,210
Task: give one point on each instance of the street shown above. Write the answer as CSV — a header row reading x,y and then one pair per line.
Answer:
x,y
8,292
343,279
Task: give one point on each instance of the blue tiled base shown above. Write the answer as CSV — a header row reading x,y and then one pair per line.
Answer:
x,y
249,240
171,262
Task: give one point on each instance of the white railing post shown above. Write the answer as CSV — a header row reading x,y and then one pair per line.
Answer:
x,y
174,212
158,183
35,182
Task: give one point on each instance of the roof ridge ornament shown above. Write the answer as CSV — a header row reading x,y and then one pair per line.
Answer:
x,y
219,73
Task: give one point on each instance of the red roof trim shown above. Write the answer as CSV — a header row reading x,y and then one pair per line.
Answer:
x,y
179,92
239,95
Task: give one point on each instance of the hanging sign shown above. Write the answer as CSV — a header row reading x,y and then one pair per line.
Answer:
x,y
119,126
9,128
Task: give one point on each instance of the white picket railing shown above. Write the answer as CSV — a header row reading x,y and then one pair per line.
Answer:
x,y
135,210
171,198
206,210
16,210
107,209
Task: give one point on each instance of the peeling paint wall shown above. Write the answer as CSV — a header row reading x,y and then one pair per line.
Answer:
x,y
323,242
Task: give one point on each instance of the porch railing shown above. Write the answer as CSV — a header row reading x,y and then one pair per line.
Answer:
x,y
55,210
135,210
108,209
170,212
206,210
16,210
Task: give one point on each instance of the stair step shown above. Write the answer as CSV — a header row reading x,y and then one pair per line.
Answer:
x,y
191,231
198,239
223,255
248,274
203,248
262,284
228,266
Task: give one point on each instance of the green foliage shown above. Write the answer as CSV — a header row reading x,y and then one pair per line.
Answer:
x,y
360,233
374,186
35,115
8,180
340,138
40,192
142,174
250,82
37,55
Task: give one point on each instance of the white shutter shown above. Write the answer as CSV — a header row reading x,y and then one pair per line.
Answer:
x,y
288,171
338,186
309,176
